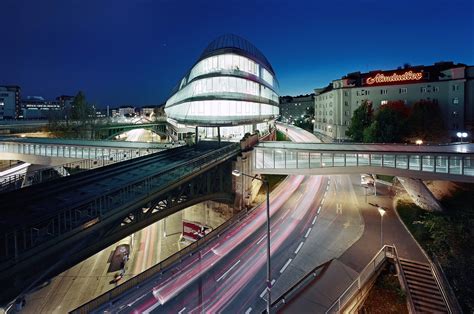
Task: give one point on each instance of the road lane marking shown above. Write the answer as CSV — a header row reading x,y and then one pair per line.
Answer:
x,y
299,248
263,293
182,310
136,300
259,241
314,219
322,202
225,274
248,310
154,306
285,266
327,188
307,233
319,209
273,281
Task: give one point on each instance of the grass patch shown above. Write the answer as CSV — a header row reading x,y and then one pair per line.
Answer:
x,y
280,136
385,178
449,237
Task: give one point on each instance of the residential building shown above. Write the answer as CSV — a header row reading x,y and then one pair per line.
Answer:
x,y
292,108
445,83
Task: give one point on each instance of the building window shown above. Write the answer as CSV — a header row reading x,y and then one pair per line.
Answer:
x,y
436,89
345,93
403,90
455,114
455,87
346,113
455,100
423,90
383,92
383,102
346,103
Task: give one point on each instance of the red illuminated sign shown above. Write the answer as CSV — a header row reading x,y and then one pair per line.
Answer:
x,y
382,78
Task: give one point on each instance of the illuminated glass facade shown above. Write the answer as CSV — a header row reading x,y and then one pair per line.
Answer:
x,y
232,83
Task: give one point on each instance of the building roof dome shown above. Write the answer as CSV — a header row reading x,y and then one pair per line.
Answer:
x,y
231,42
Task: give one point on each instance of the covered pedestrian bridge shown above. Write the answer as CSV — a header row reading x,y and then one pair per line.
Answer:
x,y
454,162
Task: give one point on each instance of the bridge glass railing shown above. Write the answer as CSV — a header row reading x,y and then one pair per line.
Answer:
x,y
444,163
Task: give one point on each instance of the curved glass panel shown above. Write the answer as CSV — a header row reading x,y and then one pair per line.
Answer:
x,y
224,62
222,85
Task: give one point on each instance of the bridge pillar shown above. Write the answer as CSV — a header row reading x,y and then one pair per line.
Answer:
x,y
420,194
245,188
196,139
219,135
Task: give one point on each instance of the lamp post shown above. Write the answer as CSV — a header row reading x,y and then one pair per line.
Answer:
x,y
381,212
461,136
419,142
237,173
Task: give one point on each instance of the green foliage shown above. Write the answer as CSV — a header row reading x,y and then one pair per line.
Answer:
x,y
81,110
361,119
280,136
426,122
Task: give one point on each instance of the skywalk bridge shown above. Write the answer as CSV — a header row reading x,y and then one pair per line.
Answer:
x,y
454,162
47,228
51,151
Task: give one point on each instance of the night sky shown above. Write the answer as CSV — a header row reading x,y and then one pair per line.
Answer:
x,y
133,52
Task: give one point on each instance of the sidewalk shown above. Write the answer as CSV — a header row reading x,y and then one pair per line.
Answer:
x,y
319,296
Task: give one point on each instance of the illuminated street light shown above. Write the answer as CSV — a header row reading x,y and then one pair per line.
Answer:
x,y
312,121
382,213
237,173
461,135
419,142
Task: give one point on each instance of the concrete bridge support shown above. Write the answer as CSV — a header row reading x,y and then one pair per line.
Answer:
x,y
420,194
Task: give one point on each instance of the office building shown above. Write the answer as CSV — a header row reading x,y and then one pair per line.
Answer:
x,y
10,104
232,86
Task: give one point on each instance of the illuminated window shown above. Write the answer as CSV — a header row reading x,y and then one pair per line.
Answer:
x,y
455,100
383,102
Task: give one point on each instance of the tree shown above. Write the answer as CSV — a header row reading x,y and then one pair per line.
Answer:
x,y
81,110
388,125
361,119
426,122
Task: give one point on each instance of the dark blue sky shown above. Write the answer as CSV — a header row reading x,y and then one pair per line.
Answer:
x,y
134,51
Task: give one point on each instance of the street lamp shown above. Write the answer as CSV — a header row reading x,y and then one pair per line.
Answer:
x,y
237,173
461,135
381,212
419,142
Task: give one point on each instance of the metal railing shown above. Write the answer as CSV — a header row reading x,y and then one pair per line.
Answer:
x,y
17,181
445,288
300,285
387,251
146,276
25,241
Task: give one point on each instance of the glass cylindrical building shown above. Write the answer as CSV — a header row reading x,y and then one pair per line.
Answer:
x,y
231,84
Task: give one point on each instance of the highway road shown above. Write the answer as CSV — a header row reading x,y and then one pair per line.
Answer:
x,y
228,274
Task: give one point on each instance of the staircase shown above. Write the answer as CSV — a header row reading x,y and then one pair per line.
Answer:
x,y
422,286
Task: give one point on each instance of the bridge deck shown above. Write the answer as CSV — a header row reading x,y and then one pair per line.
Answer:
x,y
450,162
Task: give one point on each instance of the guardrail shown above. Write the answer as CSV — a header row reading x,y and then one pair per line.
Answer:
x,y
17,181
387,251
144,277
444,286
313,275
